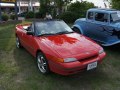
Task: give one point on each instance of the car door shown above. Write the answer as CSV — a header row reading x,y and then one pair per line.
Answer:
x,y
89,25
29,40
102,26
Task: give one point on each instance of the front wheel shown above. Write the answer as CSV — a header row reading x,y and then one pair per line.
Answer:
x,y
42,63
76,30
18,44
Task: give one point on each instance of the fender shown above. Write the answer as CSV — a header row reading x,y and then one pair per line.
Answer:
x,y
79,27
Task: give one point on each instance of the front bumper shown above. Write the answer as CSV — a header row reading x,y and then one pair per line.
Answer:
x,y
73,67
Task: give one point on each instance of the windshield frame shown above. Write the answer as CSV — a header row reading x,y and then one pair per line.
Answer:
x,y
111,18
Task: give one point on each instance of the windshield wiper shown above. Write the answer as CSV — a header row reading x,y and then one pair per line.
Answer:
x,y
47,34
64,32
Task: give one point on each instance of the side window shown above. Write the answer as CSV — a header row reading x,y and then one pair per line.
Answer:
x,y
90,15
111,19
102,17
31,27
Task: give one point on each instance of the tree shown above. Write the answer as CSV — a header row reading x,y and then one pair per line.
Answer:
x,y
108,1
44,2
115,4
80,8
76,10
44,6
61,3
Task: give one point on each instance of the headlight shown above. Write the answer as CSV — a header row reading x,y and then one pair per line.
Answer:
x,y
101,51
70,60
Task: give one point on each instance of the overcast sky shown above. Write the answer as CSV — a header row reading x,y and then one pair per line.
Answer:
x,y
98,3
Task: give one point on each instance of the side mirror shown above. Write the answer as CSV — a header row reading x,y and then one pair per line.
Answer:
x,y
30,33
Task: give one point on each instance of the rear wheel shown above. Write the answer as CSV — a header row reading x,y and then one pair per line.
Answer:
x,y
18,44
42,63
76,30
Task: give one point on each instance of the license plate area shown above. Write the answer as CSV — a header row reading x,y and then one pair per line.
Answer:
x,y
92,66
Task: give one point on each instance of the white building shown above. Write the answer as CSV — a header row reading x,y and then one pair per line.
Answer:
x,y
28,5
23,6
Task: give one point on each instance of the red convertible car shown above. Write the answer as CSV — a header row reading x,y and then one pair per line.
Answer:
x,y
57,48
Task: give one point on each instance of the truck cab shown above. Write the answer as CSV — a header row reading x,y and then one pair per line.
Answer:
x,y
101,25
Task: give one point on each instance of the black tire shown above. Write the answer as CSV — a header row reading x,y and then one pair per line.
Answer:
x,y
42,63
76,30
18,44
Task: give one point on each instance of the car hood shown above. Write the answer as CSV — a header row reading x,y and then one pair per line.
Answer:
x,y
69,44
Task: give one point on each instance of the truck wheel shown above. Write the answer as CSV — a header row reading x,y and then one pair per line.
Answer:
x,y
42,63
76,30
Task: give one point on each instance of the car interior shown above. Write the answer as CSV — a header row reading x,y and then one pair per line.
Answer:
x,y
90,15
102,17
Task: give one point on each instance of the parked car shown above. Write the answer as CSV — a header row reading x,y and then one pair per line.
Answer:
x,y
57,48
22,14
102,25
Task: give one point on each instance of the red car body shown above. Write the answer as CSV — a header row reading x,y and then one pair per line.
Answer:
x,y
58,47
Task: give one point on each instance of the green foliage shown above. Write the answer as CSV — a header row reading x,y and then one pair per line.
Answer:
x,y
46,7
80,8
61,3
38,15
69,17
30,15
12,16
43,10
115,4
5,17
75,11
54,13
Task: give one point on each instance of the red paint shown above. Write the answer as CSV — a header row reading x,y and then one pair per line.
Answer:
x,y
58,47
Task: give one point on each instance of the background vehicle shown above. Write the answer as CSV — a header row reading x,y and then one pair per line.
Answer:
x,y
57,48
102,25
23,14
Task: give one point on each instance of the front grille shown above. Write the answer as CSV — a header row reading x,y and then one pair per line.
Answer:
x,y
88,58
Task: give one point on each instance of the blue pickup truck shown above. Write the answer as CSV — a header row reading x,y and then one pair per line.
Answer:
x,y
101,25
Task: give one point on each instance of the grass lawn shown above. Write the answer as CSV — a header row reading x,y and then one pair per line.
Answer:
x,y
18,70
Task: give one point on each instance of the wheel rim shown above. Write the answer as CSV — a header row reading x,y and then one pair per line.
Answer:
x,y
41,63
17,42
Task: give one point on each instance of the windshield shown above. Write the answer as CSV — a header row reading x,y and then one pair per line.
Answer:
x,y
115,17
52,27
